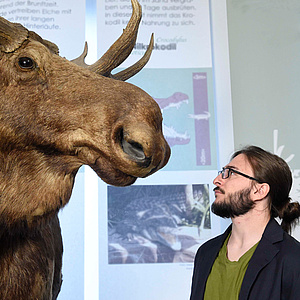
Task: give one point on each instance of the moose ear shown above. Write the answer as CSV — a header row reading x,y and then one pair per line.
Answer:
x,y
51,46
12,35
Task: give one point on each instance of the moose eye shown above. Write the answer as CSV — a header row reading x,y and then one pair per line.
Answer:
x,y
26,63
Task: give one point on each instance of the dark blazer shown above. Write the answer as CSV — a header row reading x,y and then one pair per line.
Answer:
x,y
273,272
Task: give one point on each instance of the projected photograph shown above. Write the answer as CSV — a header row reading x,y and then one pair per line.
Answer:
x,y
157,223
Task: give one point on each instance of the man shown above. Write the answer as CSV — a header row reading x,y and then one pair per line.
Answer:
x,y
255,258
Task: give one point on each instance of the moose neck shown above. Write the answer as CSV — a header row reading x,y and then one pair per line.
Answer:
x,y
33,185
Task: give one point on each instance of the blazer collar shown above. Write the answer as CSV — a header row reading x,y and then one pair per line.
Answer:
x,y
263,255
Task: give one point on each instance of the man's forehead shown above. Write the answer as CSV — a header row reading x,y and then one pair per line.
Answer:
x,y
240,162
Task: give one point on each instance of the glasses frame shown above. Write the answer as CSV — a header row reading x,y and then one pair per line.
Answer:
x,y
237,172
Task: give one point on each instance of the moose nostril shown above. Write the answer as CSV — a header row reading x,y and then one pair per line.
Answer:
x,y
136,153
133,149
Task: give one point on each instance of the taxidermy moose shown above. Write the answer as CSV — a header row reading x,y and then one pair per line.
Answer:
x,y
56,116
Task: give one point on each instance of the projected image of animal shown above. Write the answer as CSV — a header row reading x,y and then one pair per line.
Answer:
x,y
56,116
174,101
157,223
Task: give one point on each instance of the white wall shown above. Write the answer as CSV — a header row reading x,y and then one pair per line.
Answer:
x,y
264,49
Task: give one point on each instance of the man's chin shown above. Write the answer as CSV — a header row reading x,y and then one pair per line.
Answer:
x,y
222,210
233,205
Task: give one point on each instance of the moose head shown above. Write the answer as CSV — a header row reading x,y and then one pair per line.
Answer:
x,y
56,116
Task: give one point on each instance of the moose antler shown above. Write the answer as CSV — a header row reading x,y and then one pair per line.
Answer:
x,y
120,50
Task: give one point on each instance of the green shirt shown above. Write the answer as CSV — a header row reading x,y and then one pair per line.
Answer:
x,y
225,279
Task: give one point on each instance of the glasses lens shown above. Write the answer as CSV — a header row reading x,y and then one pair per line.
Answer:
x,y
225,173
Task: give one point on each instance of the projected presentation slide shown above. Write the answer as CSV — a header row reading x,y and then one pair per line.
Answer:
x,y
186,99
155,227
181,31
149,233
59,21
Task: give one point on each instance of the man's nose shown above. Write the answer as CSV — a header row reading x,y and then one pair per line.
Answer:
x,y
218,180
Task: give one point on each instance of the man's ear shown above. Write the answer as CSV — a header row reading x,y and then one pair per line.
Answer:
x,y
260,191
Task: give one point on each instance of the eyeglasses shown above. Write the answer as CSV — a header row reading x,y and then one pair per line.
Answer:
x,y
226,172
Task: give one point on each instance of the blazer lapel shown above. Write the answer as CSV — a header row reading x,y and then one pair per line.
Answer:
x,y
264,253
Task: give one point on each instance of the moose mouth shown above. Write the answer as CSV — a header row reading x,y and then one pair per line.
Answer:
x,y
127,160
112,175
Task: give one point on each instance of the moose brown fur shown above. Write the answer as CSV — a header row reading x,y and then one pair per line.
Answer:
x,y
56,116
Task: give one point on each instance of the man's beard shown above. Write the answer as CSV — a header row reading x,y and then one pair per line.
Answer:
x,y
234,205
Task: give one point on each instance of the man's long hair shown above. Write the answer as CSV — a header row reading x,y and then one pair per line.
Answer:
x,y
273,170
